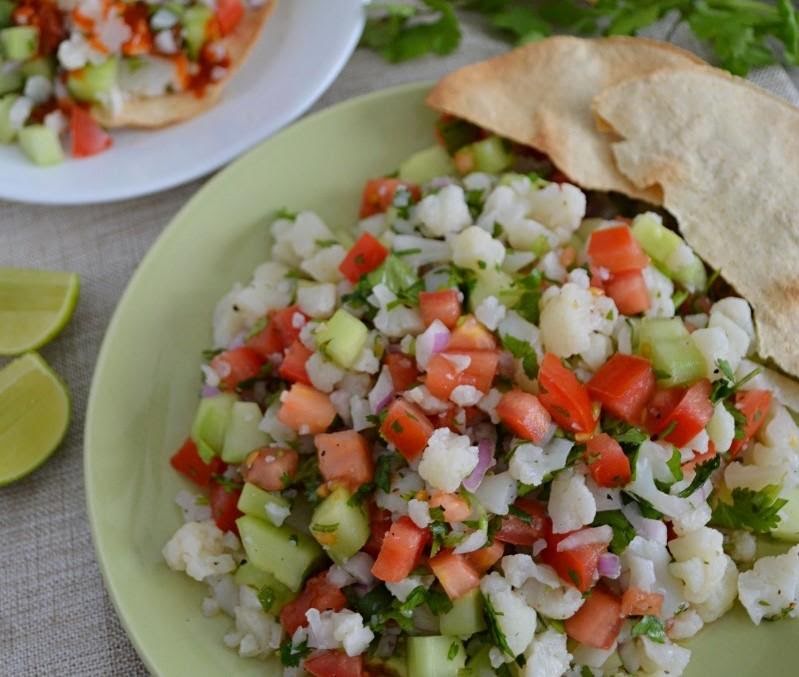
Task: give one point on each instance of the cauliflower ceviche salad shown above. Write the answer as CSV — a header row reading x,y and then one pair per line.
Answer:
x,y
497,431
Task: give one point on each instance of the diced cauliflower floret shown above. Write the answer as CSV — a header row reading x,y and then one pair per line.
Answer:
x,y
429,251
771,588
419,512
742,546
644,486
317,300
427,402
542,587
194,508
478,181
722,596
447,460
302,235
560,206
257,634
734,317
497,492
401,589
404,482
338,630
721,428
272,426
754,477
490,312
700,563
662,659
547,656
658,558
474,248
489,404
530,464
599,350
660,289
465,395
515,619
551,267
516,260
713,344
444,212
324,375
516,326
324,265
398,321
685,625
198,548
366,361
737,310
360,411
571,504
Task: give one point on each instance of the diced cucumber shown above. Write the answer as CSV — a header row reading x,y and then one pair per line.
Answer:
x,y
6,10
490,282
195,28
342,338
342,529
7,132
465,617
41,145
93,80
692,276
479,664
211,424
676,361
268,587
254,500
436,655
242,435
19,42
427,164
490,155
283,552
654,329
788,528
40,66
11,82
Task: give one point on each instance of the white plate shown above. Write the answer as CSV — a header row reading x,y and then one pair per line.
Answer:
x,y
304,45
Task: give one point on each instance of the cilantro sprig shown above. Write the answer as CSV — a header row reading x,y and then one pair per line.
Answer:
x,y
756,511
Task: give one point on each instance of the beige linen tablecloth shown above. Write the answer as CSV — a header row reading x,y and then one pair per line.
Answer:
x,y
55,616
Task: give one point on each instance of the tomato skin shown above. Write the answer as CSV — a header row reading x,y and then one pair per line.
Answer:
x,y
598,621
400,552
607,463
285,322
306,410
753,404
268,467
686,419
469,334
406,427
378,195
524,414
516,531
628,291
266,342
616,249
345,456
564,397
444,305
443,377
224,506
484,558
334,664
699,459
623,386
292,368
317,594
637,602
188,463
456,509
235,366
577,567
363,257
454,572
88,137
402,369
228,15
379,524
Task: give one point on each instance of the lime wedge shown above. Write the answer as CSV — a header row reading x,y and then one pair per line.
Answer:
x,y
34,306
34,415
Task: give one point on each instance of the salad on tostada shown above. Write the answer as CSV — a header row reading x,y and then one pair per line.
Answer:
x,y
504,427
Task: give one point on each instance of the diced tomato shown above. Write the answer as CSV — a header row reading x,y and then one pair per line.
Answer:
x,y
454,572
403,371
237,365
364,256
269,467
378,195
88,137
699,459
456,508
443,305
598,621
224,506
379,524
623,385
443,376
517,531
402,547
637,602
564,397
345,456
578,566
469,334
616,249
292,368
686,419
484,558
289,323
188,463
317,594
407,428
753,404
334,664
228,14
628,291
607,462
524,415
267,341
306,410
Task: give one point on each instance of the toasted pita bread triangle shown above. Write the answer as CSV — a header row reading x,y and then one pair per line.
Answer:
x,y
726,156
540,95
159,111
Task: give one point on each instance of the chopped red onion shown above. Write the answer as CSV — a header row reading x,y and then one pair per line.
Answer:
x,y
539,546
651,530
433,340
590,536
474,541
609,565
485,460
382,393
209,391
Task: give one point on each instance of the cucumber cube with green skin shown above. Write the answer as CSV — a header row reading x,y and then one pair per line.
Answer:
x,y
41,145
427,164
6,10
7,132
287,554
272,593
19,42
211,423
490,282
676,361
254,501
11,82
788,528
479,664
195,28
342,529
342,338
93,80
653,329
436,655
242,435
490,155
465,617
40,66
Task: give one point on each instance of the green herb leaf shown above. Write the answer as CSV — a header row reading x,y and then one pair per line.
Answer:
x,y
756,511
266,596
524,352
623,531
494,631
291,655
650,626
703,471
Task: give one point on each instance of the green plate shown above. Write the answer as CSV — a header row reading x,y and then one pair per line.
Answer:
x,y
146,384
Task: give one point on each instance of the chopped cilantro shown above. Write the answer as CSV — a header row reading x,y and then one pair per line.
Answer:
x,y
454,649
756,511
266,596
361,494
524,352
383,472
291,655
494,631
284,213
520,514
210,353
650,626
623,531
726,386
702,472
